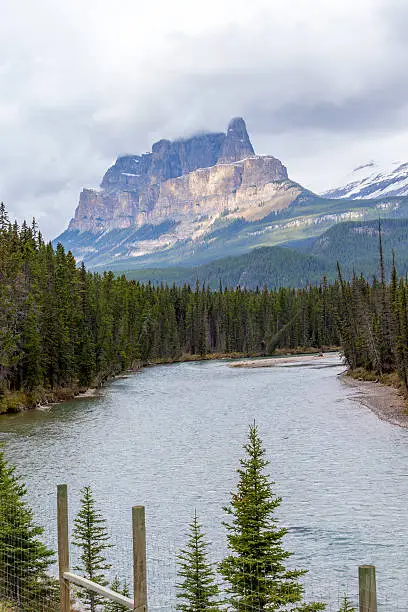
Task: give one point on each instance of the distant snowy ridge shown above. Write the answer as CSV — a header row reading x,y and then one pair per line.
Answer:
x,y
370,181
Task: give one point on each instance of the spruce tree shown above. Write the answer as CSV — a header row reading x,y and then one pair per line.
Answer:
x,y
198,589
91,537
4,220
24,559
346,605
255,568
116,586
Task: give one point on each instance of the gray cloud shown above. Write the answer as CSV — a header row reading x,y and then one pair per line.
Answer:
x,y
323,86
375,110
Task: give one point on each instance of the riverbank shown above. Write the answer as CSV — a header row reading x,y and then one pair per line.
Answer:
x,y
384,400
19,401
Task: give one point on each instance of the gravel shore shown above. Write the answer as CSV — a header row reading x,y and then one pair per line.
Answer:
x,y
386,402
273,362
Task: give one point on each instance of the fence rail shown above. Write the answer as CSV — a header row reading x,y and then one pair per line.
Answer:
x,y
366,573
100,590
66,577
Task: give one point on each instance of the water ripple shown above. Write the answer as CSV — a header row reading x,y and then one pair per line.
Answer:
x,y
171,437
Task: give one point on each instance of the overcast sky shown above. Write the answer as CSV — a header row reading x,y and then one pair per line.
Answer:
x,y
322,85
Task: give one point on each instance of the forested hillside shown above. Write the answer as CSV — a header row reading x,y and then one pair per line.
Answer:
x,y
63,328
353,244
264,267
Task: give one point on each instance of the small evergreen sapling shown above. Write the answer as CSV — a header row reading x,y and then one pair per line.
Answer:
x,y
198,589
255,568
123,589
346,605
91,537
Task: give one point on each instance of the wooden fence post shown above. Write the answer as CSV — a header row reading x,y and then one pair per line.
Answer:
x,y
139,558
367,588
63,546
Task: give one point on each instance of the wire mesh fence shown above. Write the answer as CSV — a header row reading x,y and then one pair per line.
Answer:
x,y
29,569
27,582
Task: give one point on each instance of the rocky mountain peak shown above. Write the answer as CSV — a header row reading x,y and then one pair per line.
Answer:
x,y
162,146
237,144
189,183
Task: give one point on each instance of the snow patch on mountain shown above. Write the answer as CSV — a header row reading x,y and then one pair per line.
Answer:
x,y
371,181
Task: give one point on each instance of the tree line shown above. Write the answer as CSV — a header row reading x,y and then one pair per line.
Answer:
x,y
373,324
63,327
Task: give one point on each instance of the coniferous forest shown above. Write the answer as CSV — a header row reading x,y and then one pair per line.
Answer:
x,y
63,328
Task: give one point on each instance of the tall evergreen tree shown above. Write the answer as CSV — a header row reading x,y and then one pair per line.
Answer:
x,y
198,590
24,559
91,537
4,220
255,568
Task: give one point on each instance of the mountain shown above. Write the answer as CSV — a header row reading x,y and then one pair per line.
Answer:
x,y
353,244
180,192
195,200
370,181
304,219
191,182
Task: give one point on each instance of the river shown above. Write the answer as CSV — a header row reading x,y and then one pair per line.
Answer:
x,y
170,438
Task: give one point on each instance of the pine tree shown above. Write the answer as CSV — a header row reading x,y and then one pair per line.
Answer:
x,y
198,590
91,536
31,346
24,559
255,569
116,586
4,220
346,605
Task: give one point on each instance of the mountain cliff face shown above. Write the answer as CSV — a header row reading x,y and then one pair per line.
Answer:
x,y
184,188
192,201
203,175
139,188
